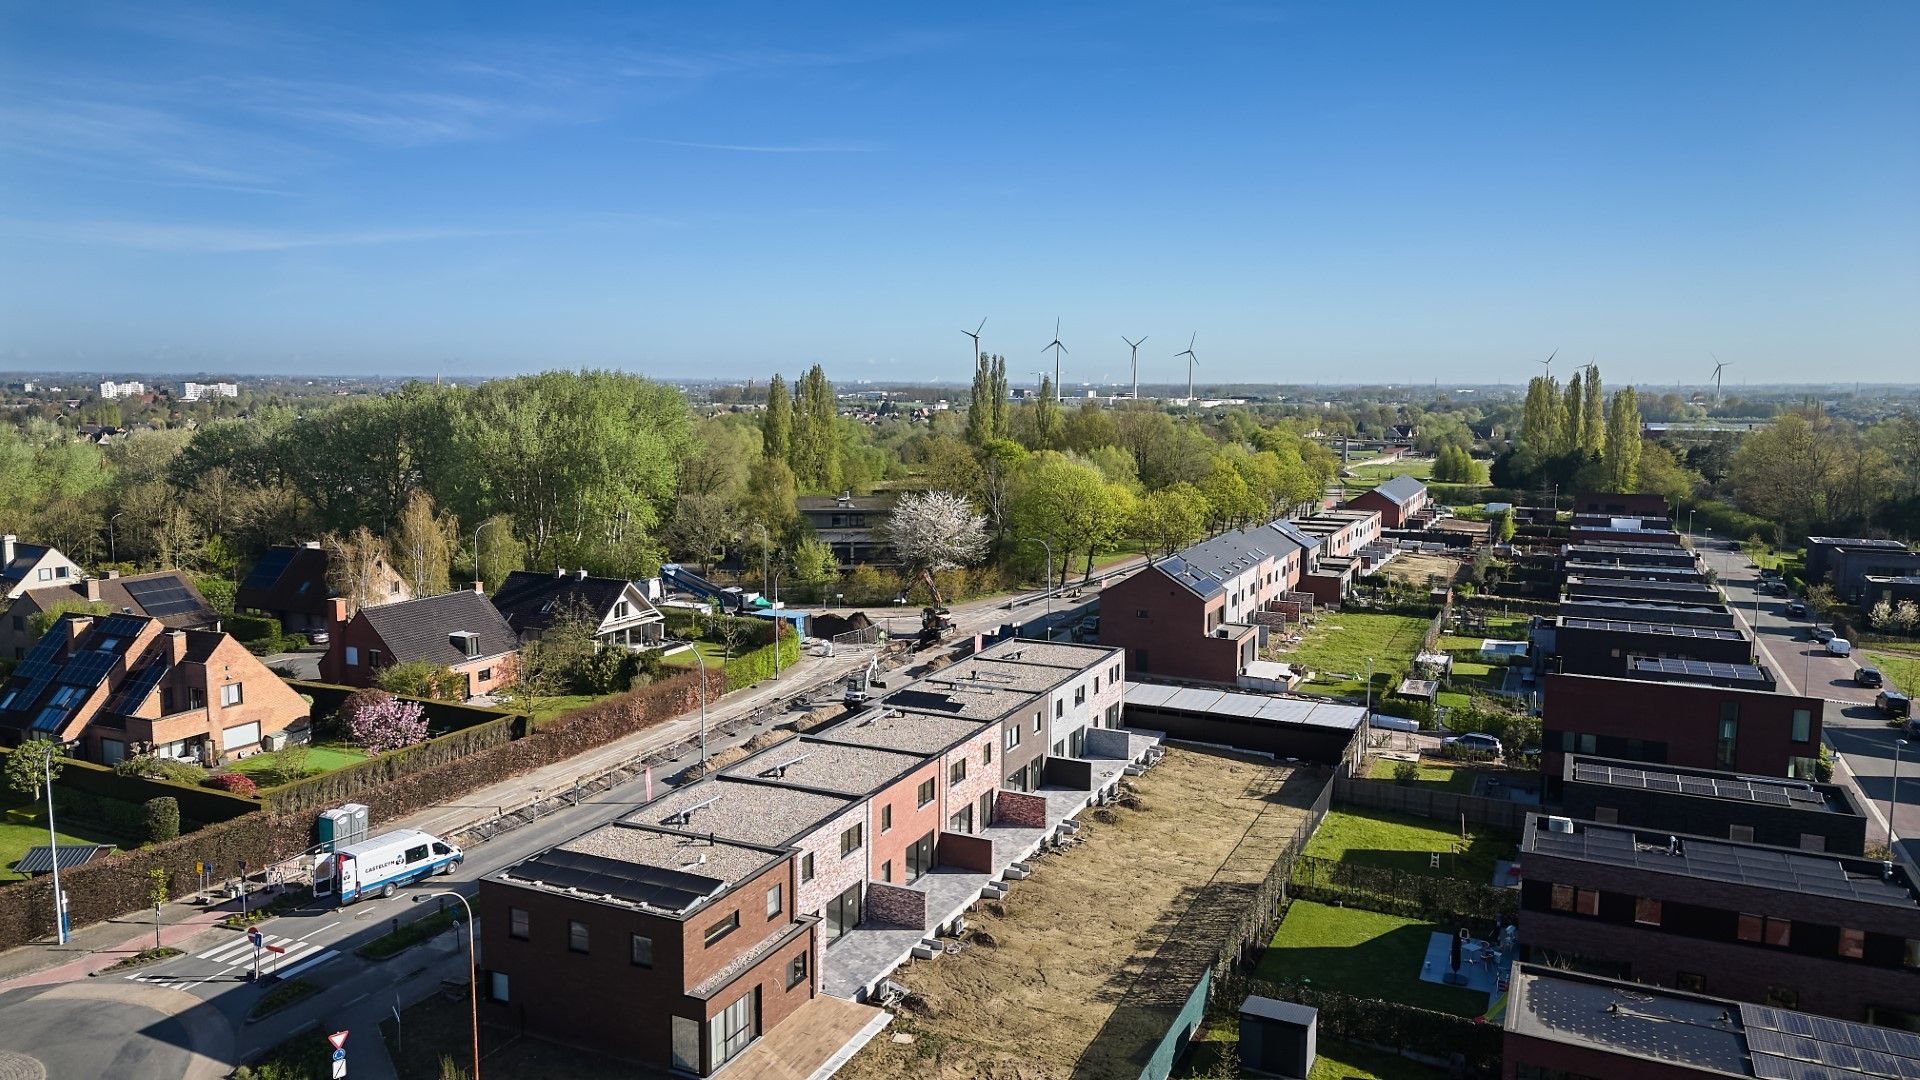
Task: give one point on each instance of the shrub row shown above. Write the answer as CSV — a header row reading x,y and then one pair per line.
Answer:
x,y
442,716
745,670
351,783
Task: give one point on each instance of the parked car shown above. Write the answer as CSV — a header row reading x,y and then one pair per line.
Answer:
x,y
1893,704
318,637
1796,609
1867,676
1475,741
1770,574
1820,632
1839,646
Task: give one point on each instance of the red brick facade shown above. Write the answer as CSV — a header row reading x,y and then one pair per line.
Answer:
x,y
1676,723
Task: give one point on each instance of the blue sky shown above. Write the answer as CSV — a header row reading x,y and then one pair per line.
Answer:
x,y
1328,192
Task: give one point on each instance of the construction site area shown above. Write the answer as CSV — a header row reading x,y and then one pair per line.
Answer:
x,y
1073,974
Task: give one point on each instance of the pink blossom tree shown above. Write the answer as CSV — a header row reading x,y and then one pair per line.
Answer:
x,y
388,725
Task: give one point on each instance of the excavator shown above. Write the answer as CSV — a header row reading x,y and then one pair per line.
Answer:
x,y
936,622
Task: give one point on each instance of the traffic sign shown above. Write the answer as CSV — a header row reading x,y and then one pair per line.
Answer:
x,y
339,1069
338,1039
253,938
339,1055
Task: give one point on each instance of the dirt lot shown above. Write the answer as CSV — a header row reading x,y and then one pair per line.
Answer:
x,y
1056,994
1415,568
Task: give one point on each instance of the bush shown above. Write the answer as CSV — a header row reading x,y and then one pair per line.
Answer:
x,y
363,698
163,819
161,768
1406,772
250,628
390,725
420,679
233,783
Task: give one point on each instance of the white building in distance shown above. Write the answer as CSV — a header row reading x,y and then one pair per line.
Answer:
x,y
194,391
111,390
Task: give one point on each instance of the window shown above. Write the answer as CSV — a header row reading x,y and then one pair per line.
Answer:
x,y
957,772
240,735
1113,716
1589,744
1646,911
886,818
353,656
1779,932
1036,720
373,657
1749,927
735,1028
1690,982
497,988
46,574
886,871
850,841
642,951
231,695
417,854
1729,733
986,809
722,928
1012,736
1802,725
796,970
961,821
196,697
1911,958
986,754
806,867
486,674
517,923
919,858
925,793
1765,930
1586,901
1853,943
1080,695
1740,833
843,914
1782,998
1059,709
773,902
1140,613
576,936
620,610
19,622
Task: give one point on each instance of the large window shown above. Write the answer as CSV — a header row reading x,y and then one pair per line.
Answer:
x,y
957,771
1646,911
925,792
718,931
1765,930
806,867
961,821
1802,725
576,935
1575,901
517,923
1728,746
1853,943
231,695
850,841
642,951
735,1028
1011,736
919,858
886,818
773,902
842,914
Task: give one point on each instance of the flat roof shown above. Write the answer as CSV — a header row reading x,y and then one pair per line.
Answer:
x,y
1617,626
1651,607
1576,581
1771,791
1059,654
721,860
1858,542
1707,859
1709,672
1604,549
823,766
1270,708
735,810
1692,1030
891,729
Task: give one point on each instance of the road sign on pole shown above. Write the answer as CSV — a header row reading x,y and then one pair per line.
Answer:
x,y
340,1068
338,1040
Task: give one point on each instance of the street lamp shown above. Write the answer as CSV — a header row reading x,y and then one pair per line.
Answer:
x,y
53,846
113,548
1893,797
700,660
1047,586
1689,523
476,546
765,545
473,973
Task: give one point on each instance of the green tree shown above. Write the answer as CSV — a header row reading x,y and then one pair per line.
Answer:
x,y
816,446
41,621
162,817
1621,460
423,544
776,430
1574,412
157,891
1049,430
813,562
771,498
1229,501
1593,417
500,553
981,412
1169,519
1066,503
421,679
30,762
1002,400
1541,427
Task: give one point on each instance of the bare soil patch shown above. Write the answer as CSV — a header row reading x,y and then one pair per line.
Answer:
x,y
1069,943
1416,568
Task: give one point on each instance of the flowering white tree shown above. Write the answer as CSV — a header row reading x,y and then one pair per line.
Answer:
x,y
931,531
388,725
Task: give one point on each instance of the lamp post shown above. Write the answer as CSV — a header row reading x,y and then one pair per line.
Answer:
x,y
1369,691
53,846
765,545
113,548
1047,589
476,547
1689,523
473,973
778,624
1893,796
700,660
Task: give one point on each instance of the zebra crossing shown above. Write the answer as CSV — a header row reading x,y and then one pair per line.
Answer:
x,y
299,956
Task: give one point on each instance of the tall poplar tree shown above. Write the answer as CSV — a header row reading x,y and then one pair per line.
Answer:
x,y
1622,458
980,411
1576,399
1593,415
815,454
776,431
1002,416
1540,427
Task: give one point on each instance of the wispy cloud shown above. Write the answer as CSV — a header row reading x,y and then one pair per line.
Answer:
x,y
229,240
749,148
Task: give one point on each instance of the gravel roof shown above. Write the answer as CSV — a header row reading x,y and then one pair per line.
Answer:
x,y
731,863
849,770
743,812
1047,653
891,729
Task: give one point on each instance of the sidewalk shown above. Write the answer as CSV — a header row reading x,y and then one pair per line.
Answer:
x,y
91,948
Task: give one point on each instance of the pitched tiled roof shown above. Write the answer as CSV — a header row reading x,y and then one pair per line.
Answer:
x,y
420,629
1202,567
24,558
287,578
530,601
1401,488
166,595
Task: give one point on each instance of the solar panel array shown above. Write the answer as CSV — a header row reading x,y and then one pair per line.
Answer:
x,y
1714,861
1796,1046
120,626
134,692
161,597
268,569
1713,633
1698,669
594,875
87,668
1771,792
43,660
1262,707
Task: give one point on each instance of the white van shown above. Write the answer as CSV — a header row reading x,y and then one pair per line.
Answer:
x,y
1839,646
381,865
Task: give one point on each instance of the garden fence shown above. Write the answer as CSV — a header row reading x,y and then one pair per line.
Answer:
x,y
1430,897
1398,1028
1428,802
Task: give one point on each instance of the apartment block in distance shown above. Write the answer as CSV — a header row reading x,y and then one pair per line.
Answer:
x,y
666,947
1398,501
1831,934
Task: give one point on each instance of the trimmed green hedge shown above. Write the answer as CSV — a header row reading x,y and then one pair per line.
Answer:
x,y
245,628
442,716
199,804
348,784
757,666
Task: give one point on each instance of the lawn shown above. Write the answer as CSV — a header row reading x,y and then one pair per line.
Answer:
x,y
1335,1060
714,652
24,824
1432,774
1901,669
268,769
1397,842
1418,468
1363,953
1337,648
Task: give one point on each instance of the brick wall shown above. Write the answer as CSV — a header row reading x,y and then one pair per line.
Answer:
x,y
1020,811
1108,743
895,906
964,852
982,776
832,875
910,820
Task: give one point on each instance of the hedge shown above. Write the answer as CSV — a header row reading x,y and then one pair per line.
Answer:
x,y
442,716
245,628
1397,892
196,803
1381,1023
118,884
351,783
749,668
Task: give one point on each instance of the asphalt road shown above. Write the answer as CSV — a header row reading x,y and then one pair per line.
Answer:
x,y
1855,730
213,983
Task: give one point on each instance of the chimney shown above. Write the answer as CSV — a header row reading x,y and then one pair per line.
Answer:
x,y
312,545
92,586
6,548
336,614
111,574
480,587
176,647
77,627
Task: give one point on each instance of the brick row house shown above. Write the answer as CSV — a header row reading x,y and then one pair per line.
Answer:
x,y
1192,615
118,685
290,583
1398,501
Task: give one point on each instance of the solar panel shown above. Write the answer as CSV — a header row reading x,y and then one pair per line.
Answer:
x,y
43,659
87,668
120,626
268,569
134,693
653,886
161,597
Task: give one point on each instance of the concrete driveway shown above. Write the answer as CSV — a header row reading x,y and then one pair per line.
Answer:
x,y
111,1027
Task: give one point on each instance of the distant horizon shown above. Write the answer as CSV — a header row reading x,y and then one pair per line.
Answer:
x,y
1390,189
